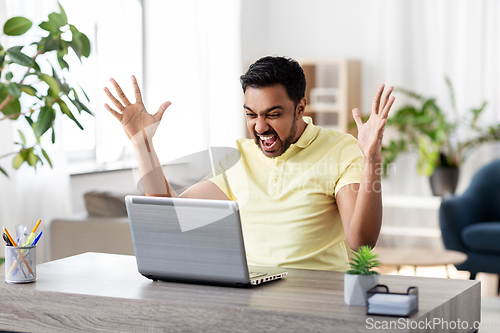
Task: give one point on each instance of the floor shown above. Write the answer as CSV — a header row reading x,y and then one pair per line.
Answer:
x,y
490,300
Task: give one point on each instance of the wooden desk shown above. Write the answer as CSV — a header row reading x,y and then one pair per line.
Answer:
x,y
95,292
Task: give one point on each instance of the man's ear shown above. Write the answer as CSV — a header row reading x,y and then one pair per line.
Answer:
x,y
301,107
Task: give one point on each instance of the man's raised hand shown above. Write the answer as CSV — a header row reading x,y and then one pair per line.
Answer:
x,y
134,117
370,134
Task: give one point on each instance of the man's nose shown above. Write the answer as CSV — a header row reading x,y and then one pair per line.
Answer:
x,y
261,125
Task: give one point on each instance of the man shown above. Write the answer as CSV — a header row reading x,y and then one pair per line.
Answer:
x,y
306,194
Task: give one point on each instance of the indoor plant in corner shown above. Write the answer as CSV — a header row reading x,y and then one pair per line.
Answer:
x,y
361,277
35,83
441,140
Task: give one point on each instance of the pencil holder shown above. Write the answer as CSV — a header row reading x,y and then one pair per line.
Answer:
x,y
20,264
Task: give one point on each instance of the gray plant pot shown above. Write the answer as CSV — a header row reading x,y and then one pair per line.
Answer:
x,y
444,181
356,286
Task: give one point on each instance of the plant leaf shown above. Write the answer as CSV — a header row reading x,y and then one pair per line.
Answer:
x,y
76,47
62,63
46,157
45,120
58,20
87,97
79,43
476,113
49,26
17,26
51,82
6,175
50,43
63,15
13,107
29,120
22,137
65,110
14,90
81,107
85,45
32,158
30,90
452,94
408,93
20,58
363,261
18,161
9,76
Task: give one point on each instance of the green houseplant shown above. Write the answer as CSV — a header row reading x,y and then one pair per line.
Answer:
x,y
442,141
361,277
39,73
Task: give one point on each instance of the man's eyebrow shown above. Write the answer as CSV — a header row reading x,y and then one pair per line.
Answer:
x,y
280,107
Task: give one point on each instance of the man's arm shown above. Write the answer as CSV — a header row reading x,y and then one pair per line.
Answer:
x,y
360,205
140,127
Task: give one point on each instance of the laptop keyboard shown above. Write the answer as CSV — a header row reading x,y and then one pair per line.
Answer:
x,y
256,274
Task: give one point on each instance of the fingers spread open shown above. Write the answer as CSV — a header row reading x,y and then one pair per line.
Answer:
x,y
161,110
356,114
376,100
113,112
387,108
120,92
114,100
385,97
137,90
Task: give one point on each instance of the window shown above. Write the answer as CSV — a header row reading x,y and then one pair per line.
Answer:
x,y
114,28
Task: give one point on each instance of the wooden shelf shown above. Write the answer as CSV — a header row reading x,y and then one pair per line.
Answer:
x,y
339,81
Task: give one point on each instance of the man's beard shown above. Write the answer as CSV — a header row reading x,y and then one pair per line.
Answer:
x,y
284,144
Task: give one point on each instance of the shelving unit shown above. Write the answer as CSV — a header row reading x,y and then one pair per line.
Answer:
x,y
333,90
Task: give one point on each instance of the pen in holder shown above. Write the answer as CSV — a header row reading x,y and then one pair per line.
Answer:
x,y
20,264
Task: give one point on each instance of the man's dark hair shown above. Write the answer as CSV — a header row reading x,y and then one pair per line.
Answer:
x,y
272,70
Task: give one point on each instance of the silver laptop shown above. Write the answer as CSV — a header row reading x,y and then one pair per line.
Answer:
x,y
192,240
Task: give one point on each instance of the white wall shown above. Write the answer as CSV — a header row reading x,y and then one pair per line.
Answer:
x,y
316,29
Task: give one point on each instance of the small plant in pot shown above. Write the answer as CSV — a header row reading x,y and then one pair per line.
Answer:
x,y
361,277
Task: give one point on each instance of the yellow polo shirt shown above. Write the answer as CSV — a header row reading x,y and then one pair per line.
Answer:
x,y
287,204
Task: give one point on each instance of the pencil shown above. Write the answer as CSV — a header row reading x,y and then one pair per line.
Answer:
x,y
18,252
10,237
36,226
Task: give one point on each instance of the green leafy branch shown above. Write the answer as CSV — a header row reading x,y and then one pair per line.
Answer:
x,y
54,94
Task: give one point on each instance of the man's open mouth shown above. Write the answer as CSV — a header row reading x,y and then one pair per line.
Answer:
x,y
268,142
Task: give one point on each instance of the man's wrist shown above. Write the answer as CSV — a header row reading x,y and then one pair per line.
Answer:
x,y
146,146
372,167
373,160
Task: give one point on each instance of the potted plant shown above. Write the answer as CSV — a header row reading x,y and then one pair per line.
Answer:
x,y
361,277
34,85
442,141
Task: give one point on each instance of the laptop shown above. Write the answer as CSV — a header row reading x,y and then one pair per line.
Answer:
x,y
192,240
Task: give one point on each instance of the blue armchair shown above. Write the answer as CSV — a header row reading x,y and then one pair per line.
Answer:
x,y
470,223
